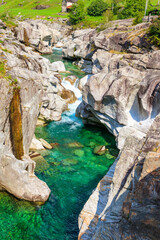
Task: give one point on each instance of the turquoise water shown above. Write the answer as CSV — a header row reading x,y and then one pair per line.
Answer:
x,y
71,170
73,69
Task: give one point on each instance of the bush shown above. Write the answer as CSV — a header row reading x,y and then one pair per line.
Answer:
x,y
138,18
108,16
96,8
154,32
132,8
77,13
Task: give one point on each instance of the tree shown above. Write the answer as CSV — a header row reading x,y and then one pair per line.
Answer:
x,y
132,8
77,13
154,32
97,7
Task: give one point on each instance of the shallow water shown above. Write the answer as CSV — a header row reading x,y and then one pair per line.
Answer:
x,y
71,170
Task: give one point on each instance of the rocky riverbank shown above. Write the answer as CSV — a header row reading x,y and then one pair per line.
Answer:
x,y
122,94
29,89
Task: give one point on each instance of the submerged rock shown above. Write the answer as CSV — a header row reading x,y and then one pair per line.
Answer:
x,y
99,150
75,144
68,161
79,152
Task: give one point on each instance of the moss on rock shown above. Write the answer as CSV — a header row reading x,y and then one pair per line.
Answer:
x,y
15,119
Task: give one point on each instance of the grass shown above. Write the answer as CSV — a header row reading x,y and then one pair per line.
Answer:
x,y
14,8
25,9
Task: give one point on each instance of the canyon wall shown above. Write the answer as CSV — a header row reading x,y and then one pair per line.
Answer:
x,y
122,93
29,89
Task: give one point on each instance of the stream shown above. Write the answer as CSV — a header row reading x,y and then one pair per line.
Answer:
x,y
71,170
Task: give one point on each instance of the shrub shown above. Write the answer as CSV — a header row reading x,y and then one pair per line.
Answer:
x,y
132,8
154,32
77,13
138,18
96,8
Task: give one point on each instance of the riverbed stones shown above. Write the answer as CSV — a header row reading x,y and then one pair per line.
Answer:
x,y
75,145
68,161
79,152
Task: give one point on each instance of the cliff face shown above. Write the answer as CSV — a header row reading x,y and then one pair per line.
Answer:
x,y
28,86
122,93
125,204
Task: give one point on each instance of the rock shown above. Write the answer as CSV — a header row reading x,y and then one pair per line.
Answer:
x,y
45,144
59,45
83,81
41,164
54,145
99,150
79,152
123,95
68,95
21,173
39,90
75,144
68,161
36,145
72,79
40,34
40,7
58,66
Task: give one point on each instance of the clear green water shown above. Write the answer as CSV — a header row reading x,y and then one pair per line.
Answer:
x,y
73,69
71,170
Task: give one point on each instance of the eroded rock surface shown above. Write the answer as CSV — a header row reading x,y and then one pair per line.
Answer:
x,y
40,34
123,94
125,204
29,75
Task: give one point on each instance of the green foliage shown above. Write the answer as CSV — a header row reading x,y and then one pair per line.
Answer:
x,y
138,18
97,7
154,32
132,8
108,16
77,13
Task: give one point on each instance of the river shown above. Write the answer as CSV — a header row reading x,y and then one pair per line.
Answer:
x,y
71,170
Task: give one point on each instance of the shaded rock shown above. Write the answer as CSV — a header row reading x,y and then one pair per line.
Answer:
x,y
83,81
